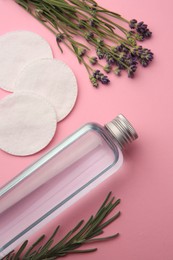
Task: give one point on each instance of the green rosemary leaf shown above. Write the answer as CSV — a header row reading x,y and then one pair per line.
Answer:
x,y
78,238
21,249
74,239
105,201
63,241
101,239
96,233
43,250
108,222
34,245
83,251
111,207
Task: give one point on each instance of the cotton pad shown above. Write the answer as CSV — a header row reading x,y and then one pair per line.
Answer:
x,y
27,123
52,79
16,50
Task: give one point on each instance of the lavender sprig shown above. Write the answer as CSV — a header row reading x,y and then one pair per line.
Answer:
x,y
71,20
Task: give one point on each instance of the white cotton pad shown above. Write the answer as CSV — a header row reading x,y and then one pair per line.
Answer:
x,y
27,123
16,50
52,79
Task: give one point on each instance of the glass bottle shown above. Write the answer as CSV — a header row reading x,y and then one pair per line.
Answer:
x,y
61,177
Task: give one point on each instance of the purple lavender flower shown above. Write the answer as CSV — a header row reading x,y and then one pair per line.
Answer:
x,y
131,71
119,48
110,59
143,30
133,23
120,63
81,52
96,74
131,60
125,49
92,23
107,68
145,56
93,60
117,71
100,42
89,36
104,80
59,37
94,81
101,77
100,53
148,34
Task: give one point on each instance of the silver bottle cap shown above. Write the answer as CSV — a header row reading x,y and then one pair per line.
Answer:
x,y
122,130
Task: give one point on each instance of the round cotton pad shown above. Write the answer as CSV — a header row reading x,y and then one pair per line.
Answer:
x,y
54,80
16,50
27,123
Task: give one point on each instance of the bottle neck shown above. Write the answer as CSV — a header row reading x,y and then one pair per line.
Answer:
x,y
122,130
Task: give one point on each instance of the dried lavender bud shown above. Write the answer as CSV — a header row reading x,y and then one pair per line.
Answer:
x,y
117,71
120,64
103,35
100,42
114,49
139,37
81,52
93,60
88,36
136,51
100,53
92,23
133,23
130,74
104,80
130,59
131,40
145,56
94,81
141,26
59,37
101,77
96,74
110,60
144,62
148,34
131,33
131,70
119,48
143,30
125,49
107,68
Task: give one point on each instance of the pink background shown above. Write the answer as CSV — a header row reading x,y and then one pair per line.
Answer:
x,y
145,182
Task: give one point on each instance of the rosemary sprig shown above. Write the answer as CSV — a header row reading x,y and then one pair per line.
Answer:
x,y
71,20
82,233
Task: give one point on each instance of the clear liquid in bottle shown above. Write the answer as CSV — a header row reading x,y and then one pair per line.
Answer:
x,y
60,178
